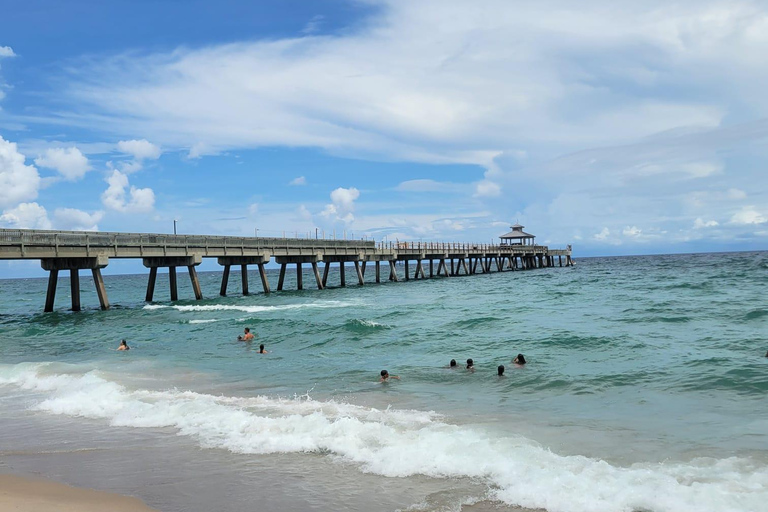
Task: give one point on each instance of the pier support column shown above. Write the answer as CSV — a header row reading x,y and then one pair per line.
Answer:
x,y
263,275
224,281
74,281
151,284
172,282
299,277
464,263
101,290
431,269
362,268
420,269
299,261
244,278
50,296
54,265
392,271
243,261
342,274
360,277
560,260
407,271
195,282
378,271
317,276
325,273
452,270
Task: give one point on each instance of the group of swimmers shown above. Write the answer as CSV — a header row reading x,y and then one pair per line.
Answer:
x,y
519,361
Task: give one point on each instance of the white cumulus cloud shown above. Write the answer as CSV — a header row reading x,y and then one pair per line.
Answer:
x,y
6,51
301,180
602,235
69,162
342,205
140,149
18,181
748,215
141,200
26,216
76,220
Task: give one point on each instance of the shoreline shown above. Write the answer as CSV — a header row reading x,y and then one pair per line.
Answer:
x,y
32,494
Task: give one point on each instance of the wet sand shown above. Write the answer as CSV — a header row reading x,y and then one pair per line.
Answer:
x,y
22,494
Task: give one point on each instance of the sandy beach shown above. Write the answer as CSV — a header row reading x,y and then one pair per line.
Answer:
x,y
22,494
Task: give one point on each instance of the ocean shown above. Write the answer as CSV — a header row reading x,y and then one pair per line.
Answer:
x,y
645,390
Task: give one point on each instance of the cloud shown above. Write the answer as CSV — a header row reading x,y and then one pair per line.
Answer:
x,y
26,216
76,220
301,180
141,200
69,162
35,216
602,235
18,182
313,25
487,188
749,215
342,205
140,149
700,223
439,81
6,51
631,231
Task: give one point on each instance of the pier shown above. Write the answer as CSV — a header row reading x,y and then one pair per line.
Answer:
x,y
81,250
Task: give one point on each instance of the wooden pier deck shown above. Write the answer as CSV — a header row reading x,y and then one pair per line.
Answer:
x,y
80,250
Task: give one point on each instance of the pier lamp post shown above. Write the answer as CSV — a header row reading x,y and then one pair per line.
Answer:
x,y
174,226
256,232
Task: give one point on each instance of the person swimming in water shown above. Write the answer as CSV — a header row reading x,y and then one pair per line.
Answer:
x,y
519,360
453,363
385,376
500,370
246,336
261,349
123,346
470,365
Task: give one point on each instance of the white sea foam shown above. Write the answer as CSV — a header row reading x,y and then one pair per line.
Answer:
x,y
210,321
399,443
254,309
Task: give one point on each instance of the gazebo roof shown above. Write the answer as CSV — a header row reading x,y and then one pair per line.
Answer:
x,y
517,232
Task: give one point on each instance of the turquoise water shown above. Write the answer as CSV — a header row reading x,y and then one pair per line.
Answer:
x,y
645,388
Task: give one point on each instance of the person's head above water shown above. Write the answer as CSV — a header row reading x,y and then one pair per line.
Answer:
x,y
384,373
453,362
500,369
247,330
470,363
261,348
520,359
123,342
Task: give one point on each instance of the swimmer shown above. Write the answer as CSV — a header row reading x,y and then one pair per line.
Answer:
x,y
519,360
500,370
470,365
247,335
261,349
123,346
385,376
453,363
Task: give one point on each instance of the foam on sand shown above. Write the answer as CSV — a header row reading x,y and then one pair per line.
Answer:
x,y
402,443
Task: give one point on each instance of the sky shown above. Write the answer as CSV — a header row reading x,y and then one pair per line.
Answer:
x,y
618,127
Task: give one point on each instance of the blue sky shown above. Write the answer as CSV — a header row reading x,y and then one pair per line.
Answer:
x,y
617,127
